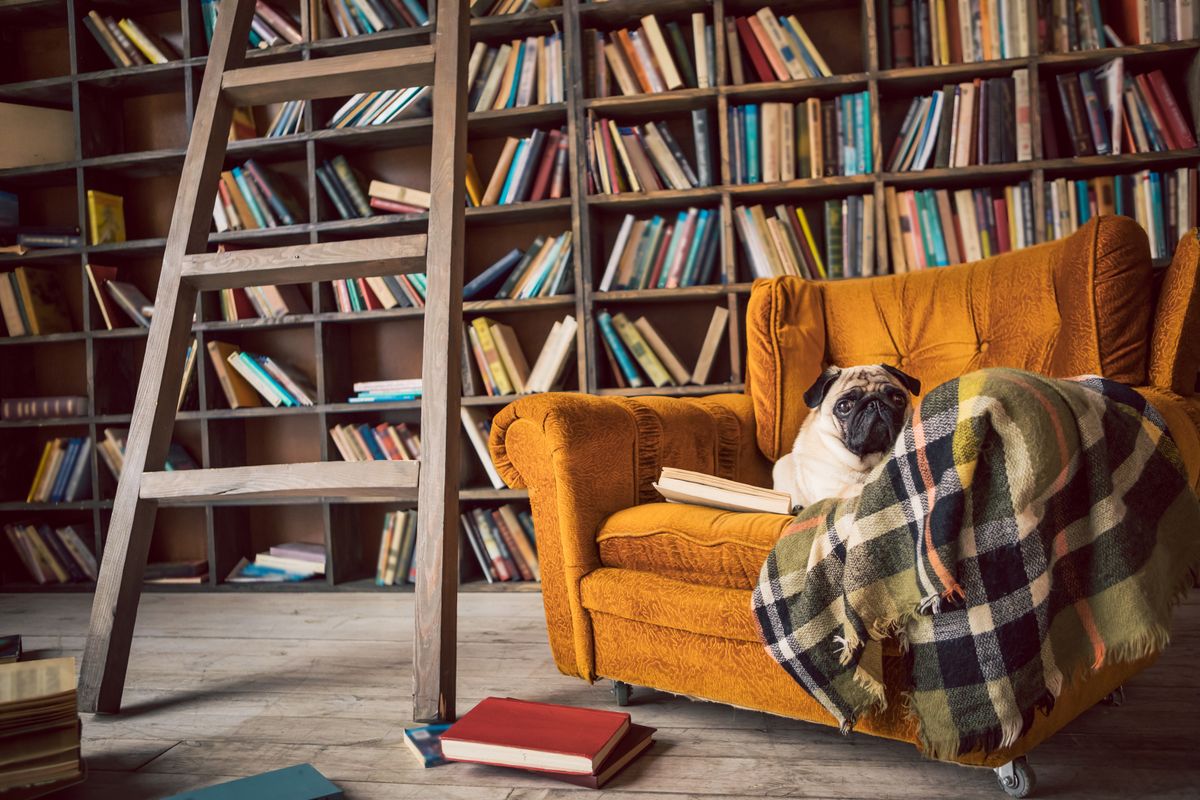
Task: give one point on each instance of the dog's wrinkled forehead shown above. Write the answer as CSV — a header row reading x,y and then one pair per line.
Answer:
x,y
867,379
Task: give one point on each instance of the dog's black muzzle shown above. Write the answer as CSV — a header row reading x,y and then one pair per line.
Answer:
x,y
873,425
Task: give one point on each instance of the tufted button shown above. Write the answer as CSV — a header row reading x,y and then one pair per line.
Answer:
x,y
983,347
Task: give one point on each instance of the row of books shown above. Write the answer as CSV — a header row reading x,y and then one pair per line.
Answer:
x,y
659,253
494,364
644,60
247,379
50,407
62,474
262,302
367,109
111,449
503,8
985,121
517,74
288,119
249,197
32,304
281,563
382,442
939,227
1108,111
782,141
396,548
1147,21
926,33
387,291
530,169
503,542
630,345
1164,203
765,47
53,555
780,241
645,158
357,17
544,269
126,43
269,27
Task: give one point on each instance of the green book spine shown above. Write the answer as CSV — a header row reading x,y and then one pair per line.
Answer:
x,y
345,174
682,57
514,277
647,250
331,192
833,238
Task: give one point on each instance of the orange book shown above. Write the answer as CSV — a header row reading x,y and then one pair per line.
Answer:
x,y
985,25
773,56
510,75
239,202
631,56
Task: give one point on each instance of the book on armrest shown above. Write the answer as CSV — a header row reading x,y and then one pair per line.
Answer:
x,y
685,486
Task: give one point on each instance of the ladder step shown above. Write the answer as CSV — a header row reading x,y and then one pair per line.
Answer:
x,y
392,479
303,263
401,68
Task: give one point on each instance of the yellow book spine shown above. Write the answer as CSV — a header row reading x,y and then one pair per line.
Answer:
x,y
47,558
495,364
641,351
152,53
812,244
474,185
41,468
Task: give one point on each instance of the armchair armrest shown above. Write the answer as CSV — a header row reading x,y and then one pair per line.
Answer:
x,y
584,457
1175,343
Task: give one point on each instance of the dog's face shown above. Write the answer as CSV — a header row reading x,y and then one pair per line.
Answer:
x,y
862,407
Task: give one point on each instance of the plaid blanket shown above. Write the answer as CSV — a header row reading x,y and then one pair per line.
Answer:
x,y
1024,531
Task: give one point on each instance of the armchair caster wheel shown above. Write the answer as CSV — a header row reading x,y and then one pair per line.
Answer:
x,y
1116,697
622,691
1016,778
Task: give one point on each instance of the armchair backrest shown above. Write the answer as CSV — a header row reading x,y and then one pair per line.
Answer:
x,y
1080,305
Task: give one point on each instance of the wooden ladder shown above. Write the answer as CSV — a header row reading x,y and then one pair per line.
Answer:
x,y
187,268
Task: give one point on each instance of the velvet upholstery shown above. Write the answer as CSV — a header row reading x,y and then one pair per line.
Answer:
x,y
659,595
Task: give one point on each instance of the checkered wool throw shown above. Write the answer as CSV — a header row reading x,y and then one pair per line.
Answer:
x,y
1024,531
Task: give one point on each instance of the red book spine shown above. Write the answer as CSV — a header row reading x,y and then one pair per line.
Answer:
x,y
542,182
1160,119
1173,115
1000,207
558,182
661,257
610,158
511,545
386,444
367,294
754,51
242,309
394,207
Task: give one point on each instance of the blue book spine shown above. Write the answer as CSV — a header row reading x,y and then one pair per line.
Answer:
x,y
208,10
547,264
373,447
676,243
253,362
708,253
260,178
866,157
508,179
1081,200
512,94
492,274
78,485
800,49
1156,206
363,22
689,266
239,177
414,8
255,39
1119,191
753,145
385,398
64,470
624,360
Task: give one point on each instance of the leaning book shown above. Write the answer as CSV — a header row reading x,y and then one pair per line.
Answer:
x,y
685,486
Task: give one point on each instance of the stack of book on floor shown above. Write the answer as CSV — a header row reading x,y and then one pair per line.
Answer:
x,y
43,407
53,555
32,304
358,17
582,746
985,121
262,302
120,302
39,726
112,452
542,270
63,474
502,8
396,547
521,73
924,33
653,58
379,292
781,241
1164,203
775,48
250,197
503,542
939,227
630,345
382,442
660,253
645,158
771,142
530,169
177,573
126,43
246,377
1108,111
287,562
367,109
270,25
502,366
387,391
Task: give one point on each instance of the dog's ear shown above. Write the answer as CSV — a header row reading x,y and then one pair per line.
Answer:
x,y
816,393
909,382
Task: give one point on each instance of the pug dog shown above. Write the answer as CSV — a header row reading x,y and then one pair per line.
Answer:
x,y
856,415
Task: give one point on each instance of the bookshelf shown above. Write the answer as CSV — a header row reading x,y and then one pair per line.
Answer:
x,y
130,128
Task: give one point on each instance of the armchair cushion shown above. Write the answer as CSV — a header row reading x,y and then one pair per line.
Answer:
x,y
690,543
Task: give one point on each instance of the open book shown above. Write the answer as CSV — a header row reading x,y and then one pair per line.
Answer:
x,y
685,486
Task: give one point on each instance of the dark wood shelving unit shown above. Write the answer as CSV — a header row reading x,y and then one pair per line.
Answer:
x,y
131,130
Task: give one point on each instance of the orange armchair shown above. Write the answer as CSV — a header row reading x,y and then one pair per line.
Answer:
x,y
658,595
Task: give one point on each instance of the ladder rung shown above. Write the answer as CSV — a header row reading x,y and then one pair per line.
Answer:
x,y
320,479
303,263
330,77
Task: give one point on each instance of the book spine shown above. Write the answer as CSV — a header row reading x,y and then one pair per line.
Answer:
x,y
624,360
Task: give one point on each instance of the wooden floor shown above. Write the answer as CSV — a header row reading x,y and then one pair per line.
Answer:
x,y
228,685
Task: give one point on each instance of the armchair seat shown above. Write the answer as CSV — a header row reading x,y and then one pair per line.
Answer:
x,y
690,543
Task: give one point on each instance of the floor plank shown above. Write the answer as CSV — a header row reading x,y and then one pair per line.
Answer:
x,y
222,686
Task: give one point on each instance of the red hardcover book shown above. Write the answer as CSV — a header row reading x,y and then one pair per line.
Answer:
x,y
632,745
1173,116
754,51
242,309
368,295
506,732
395,208
542,182
1000,208
1156,112
610,158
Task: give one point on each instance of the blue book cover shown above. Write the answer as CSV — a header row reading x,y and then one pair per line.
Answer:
x,y
624,360
368,436
1156,207
239,177
1081,200
935,248
508,179
866,162
688,278
676,237
753,146
414,8
512,94
64,470
426,744
548,263
385,398
259,176
301,782
1119,192
926,128
492,275
799,48
708,253
208,10
252,362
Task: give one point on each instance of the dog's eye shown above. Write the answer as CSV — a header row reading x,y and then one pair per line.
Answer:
x,y
843,407
896,396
